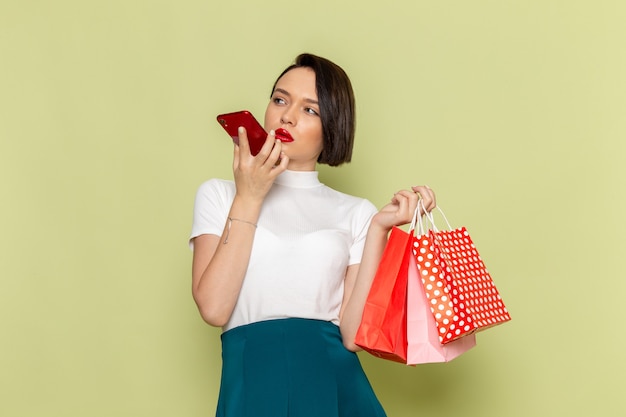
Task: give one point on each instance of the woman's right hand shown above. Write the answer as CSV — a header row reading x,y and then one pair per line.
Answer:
x,y
254,175
218,268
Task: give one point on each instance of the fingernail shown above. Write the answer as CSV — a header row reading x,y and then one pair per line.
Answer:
x,y
272,132
240,130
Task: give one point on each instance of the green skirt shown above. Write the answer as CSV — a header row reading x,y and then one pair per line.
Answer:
x,y
292,368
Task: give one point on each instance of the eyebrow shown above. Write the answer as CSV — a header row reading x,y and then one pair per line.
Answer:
x,y
285,92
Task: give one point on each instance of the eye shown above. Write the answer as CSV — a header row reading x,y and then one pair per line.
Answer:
x,y
278,100
312,111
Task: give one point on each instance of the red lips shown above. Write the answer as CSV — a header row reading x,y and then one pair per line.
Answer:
x,y
283,135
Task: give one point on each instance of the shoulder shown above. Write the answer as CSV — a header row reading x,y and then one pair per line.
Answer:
x,y
217,186
215,193
358,205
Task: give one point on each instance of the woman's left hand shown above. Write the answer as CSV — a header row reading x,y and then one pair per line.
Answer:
x,y
403,205
359,277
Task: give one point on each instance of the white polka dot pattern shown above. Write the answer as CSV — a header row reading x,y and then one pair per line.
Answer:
x,y
462,294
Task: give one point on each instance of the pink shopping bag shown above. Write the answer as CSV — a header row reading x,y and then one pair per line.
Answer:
x,y
424,345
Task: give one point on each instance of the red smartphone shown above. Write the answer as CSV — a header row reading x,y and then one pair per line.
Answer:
x,y
256,134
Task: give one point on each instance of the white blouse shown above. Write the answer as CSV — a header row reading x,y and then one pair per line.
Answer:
x,y
307,235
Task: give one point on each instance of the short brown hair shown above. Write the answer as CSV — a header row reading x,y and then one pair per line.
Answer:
x,y
337,107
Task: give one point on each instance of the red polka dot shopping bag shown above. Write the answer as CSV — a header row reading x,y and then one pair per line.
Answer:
x,y
462,295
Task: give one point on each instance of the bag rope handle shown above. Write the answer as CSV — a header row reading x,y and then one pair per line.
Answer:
x,y
429,215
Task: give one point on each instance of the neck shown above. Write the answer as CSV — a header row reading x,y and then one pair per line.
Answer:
x,y
302,166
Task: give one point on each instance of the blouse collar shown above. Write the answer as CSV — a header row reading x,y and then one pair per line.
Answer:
x,y
298,179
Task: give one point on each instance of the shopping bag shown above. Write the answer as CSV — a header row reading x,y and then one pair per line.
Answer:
x,y
382,331
424,345
462,295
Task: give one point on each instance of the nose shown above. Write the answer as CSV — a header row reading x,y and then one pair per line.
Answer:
x,y
288,117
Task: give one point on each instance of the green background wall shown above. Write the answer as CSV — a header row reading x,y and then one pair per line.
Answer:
x,y
513,111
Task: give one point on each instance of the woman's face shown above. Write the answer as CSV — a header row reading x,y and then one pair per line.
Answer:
x,y
294,107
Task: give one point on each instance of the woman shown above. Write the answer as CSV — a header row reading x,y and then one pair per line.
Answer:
x,y
284,263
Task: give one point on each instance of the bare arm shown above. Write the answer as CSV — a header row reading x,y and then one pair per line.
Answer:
x,y
359,277
219,267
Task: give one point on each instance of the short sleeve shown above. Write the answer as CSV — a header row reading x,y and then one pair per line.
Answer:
x,y
360,224
212,204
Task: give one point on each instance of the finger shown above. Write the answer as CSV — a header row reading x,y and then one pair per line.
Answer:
x,y
283,162
425,197
433,197
403,199
274,157
428,196
243,140
413,199
407,203
277,148
235,157
267,151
